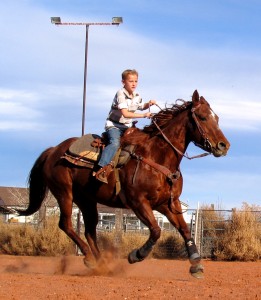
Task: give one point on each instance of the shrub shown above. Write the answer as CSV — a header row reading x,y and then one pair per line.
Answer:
x,y
170,244
213,226
242,237
17,239
234,238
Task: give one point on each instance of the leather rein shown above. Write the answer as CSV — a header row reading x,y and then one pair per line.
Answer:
x,y
171,177
200,129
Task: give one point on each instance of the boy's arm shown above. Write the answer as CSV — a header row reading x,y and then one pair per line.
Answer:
x,y
129,114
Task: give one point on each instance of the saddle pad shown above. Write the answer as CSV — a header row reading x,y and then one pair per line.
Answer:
x,y
77,161
82,153
124,156
83,148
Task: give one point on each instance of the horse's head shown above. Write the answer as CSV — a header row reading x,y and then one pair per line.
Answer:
x,y
206,132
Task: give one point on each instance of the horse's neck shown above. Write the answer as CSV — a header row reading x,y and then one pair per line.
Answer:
x,y
176,134
178,128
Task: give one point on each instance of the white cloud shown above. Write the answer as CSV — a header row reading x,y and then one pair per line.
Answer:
x,y
240,115
176,48
50,67
16,110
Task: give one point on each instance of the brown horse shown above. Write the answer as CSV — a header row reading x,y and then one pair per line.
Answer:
x,y
151,179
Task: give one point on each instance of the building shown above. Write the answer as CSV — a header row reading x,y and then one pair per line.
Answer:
x,y
14,197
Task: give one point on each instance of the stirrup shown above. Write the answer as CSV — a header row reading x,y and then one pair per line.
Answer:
x,y
104,172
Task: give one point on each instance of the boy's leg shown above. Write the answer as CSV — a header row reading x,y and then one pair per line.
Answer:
x,y
108,153
114,135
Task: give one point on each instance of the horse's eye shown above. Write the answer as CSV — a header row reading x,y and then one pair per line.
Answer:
x,y
202,118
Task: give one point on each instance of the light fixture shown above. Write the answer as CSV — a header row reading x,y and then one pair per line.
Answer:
x,y
55,20
117,20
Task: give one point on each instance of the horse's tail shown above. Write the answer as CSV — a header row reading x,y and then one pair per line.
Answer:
x,y
37,186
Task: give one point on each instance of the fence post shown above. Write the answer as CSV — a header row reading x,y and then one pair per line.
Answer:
x,y
118,226
42,216
78,229
198,227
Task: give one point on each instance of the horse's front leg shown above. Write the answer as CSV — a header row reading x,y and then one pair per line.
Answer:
x,y
176,218
141,253
145,214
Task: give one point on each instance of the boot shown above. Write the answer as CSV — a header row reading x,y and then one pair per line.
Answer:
x,y
103,173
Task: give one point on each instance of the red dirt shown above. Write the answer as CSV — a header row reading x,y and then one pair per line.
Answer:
x,y
68,278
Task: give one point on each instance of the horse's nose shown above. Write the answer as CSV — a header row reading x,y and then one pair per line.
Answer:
x,y
221,146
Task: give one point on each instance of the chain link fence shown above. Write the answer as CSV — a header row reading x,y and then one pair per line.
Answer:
x,y
209,227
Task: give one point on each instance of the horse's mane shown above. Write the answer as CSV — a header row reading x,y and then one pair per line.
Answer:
x,y
162,118
166,114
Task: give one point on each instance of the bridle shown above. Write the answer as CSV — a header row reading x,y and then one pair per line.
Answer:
x,y
207,143
173,176
201,131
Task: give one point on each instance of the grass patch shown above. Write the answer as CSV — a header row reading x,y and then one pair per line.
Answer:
x,y
237,237
242,237
24,239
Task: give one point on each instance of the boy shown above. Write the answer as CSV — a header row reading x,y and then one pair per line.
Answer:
x,y
124,105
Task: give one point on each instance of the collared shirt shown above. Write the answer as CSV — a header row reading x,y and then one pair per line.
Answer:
x,y
122,100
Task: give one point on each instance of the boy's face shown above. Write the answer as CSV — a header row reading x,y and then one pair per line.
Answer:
x,y
130,83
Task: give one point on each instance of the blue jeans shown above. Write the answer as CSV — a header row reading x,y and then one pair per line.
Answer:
x,y
114,134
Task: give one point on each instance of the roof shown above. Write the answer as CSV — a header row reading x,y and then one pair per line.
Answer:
x,y
15,196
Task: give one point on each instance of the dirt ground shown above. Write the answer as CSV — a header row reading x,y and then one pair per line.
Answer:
x,y
68,278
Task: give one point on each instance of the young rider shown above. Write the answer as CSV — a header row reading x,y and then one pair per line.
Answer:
x,y
123,110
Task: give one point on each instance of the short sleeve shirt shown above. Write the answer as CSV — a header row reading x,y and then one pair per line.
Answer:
x,y
123,100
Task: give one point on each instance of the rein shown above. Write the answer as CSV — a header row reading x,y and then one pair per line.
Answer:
x,y
171,176
202,132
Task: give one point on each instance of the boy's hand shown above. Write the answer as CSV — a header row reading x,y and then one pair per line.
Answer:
x,y
152,102
147,115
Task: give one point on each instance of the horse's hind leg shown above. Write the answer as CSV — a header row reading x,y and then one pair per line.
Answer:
x,y
65,201
177,220
90,217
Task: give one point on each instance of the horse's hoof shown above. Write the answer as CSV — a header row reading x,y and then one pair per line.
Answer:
x,y
90,264
197,271
198,275
132,258
135,257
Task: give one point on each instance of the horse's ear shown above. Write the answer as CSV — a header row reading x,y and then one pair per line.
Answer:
x,y
195,98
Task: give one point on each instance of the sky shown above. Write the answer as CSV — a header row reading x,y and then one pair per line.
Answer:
x,y
177,47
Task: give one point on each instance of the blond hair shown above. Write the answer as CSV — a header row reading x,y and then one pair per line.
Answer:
x,y
128,72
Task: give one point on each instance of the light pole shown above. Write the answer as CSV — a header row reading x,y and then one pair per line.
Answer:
x,y
57,21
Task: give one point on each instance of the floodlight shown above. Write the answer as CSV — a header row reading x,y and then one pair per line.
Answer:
x,y
117,20
55,20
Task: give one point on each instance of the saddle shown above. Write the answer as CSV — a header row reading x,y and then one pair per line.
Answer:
x,y
86,151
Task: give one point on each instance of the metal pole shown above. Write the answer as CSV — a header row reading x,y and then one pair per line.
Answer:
x,y
196,226
85,79
57,21
83,116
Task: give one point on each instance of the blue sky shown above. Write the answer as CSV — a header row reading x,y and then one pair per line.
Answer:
x,y
177,47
